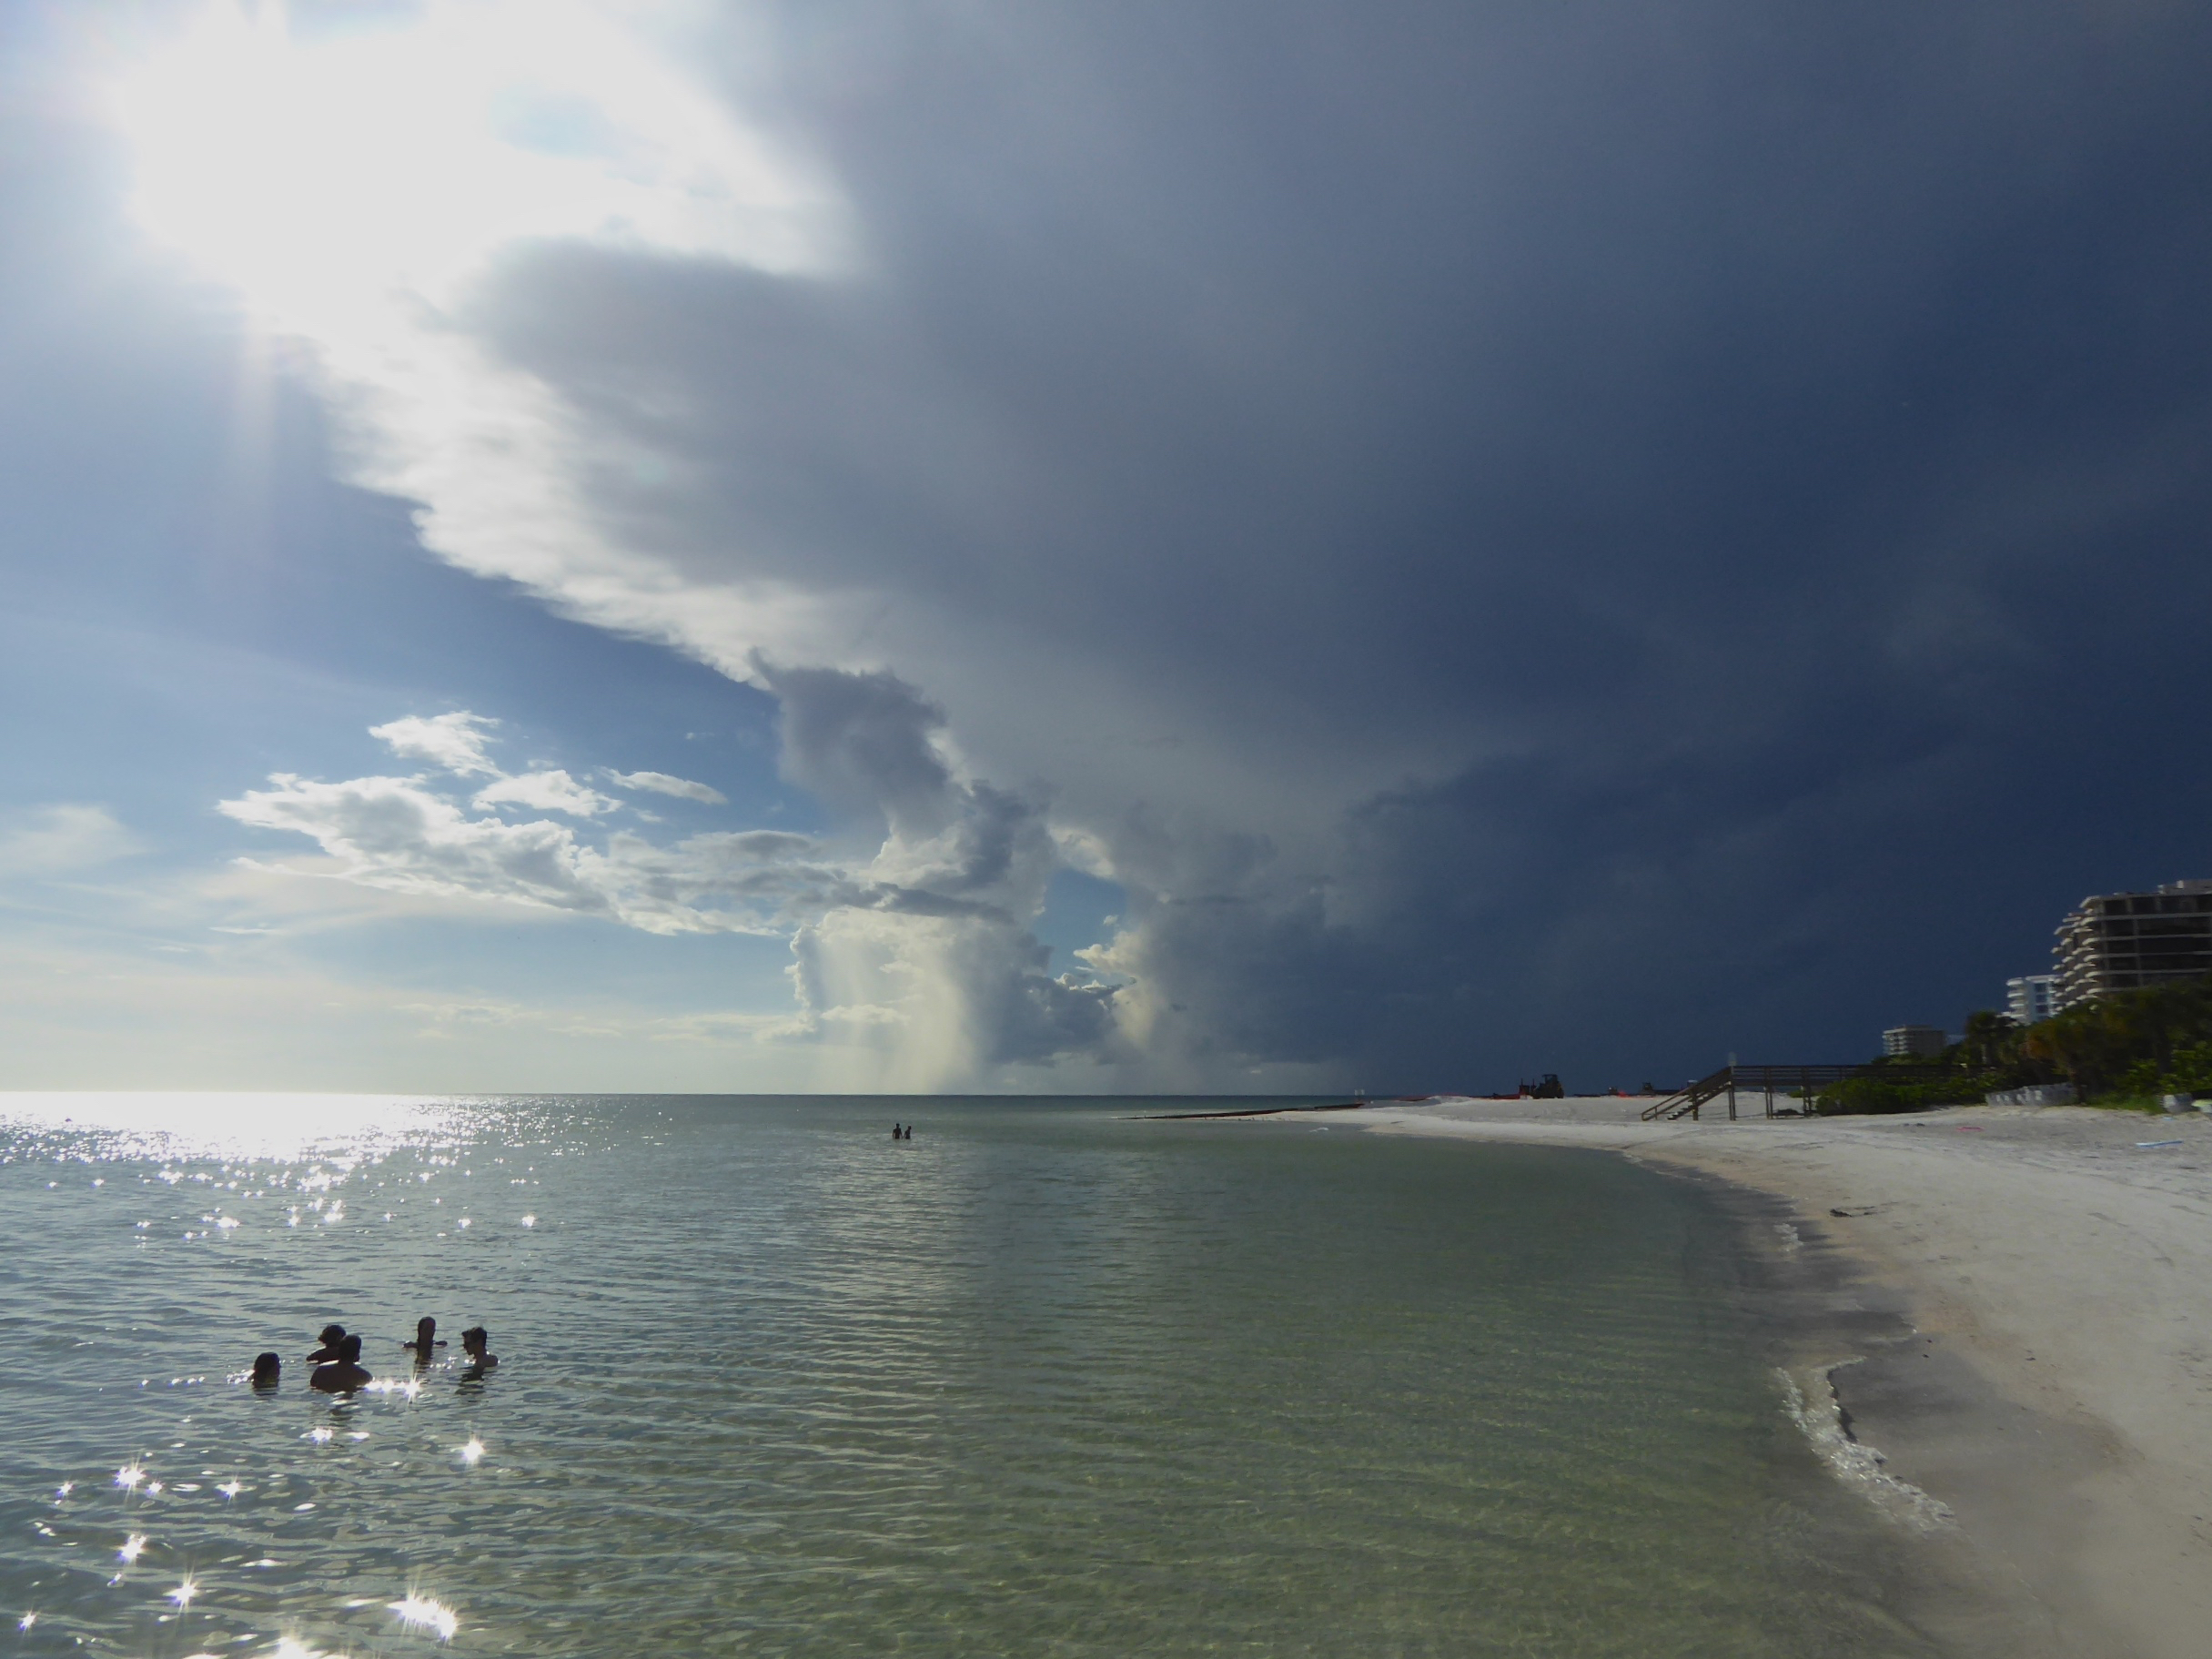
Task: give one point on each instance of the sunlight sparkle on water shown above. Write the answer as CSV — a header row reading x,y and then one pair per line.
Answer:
x,y
178,1124
471,1453
182,1595
431,1615
132,1546
129,1476
26,1622
231,1488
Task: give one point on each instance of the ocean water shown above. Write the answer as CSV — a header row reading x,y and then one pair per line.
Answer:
x,y
1044,1381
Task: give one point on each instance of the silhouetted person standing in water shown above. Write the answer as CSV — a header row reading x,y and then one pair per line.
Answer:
x,y
426,1338
343,1374
475,1348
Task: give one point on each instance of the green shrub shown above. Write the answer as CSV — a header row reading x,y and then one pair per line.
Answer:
x,y
1871,1093
2122,1050
2153,1041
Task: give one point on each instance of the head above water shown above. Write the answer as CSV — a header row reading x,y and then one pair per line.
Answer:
x,y
331,1334
268,1367
426,1328
349,1351
475,1339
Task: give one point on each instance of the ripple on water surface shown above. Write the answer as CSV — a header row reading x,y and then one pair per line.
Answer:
x,y
1043,1381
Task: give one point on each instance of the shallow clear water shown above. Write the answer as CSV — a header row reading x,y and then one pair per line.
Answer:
x,y
1044,1381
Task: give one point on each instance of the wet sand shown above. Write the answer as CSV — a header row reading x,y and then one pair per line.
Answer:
x,y
2046,1371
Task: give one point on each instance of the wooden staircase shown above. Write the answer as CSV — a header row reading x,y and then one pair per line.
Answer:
x,y
1802,1081
1688,1100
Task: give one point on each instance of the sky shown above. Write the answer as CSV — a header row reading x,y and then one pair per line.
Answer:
x,y
668,546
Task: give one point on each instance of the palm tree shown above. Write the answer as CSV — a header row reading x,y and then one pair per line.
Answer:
x,y
1993,1041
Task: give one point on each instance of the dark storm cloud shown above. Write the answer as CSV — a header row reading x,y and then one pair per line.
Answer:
x,y
1550,530
862,742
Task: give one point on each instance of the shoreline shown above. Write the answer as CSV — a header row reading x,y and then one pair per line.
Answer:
x,y
2048,1377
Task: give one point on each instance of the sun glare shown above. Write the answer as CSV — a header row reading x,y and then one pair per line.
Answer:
x,y
424,1614
324,177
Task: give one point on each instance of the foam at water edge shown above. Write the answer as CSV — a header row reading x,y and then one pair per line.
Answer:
x,y
1819,1414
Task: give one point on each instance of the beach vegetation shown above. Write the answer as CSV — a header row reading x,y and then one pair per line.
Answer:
x,y
1986,1058
1871,1093
2122,1050
2150,1041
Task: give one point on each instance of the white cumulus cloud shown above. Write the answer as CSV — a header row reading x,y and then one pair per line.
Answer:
x,y
665,784
402,835
453,742
553,791
915,963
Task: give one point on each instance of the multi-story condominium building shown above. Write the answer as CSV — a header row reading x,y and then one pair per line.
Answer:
x,y
2118,941
2031,997
1918,1040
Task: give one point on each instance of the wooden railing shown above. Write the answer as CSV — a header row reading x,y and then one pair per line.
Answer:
x,y
1804,1082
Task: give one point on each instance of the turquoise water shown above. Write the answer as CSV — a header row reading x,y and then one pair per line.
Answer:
x,y
1043,1380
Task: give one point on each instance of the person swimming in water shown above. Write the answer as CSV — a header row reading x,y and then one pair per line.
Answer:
x,y
343,1374
425,1339
268,1368
332,1335
475,1348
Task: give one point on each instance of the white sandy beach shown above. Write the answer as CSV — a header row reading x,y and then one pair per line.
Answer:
x,y
2071,1267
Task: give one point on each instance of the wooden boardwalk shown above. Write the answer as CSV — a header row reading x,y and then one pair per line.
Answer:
x,y
1803,1081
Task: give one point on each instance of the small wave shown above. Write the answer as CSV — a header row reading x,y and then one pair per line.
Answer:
x,y
1813,1407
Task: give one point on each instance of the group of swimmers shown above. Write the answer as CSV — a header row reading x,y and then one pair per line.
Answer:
x,y
902,1131
338,1360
